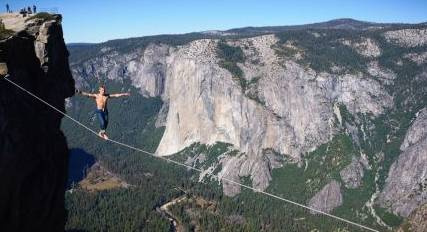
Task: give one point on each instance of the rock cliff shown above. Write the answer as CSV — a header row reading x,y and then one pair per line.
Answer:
x,y
406,185
328,198
416,222
33,150
285,108
294,95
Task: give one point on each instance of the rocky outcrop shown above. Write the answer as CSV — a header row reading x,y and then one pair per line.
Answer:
x,y
384,75
146,68
407,37
406,184
149,72
33,150
98,178
328,198
417,132
416,222
366,47
418,58
352,174
111,65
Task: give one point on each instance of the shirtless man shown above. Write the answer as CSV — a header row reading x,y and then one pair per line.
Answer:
x,y
101,99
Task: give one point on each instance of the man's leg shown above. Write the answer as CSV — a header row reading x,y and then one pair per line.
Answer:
x,y
105,123
101,119
102,122
105,119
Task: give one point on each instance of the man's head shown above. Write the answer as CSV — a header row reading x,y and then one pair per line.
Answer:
x,y
102,89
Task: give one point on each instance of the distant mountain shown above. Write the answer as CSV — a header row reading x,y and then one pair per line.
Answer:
x,y
80,44
345,23
81,51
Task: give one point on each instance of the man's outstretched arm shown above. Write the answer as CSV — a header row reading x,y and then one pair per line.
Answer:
x,y
85,94
119,94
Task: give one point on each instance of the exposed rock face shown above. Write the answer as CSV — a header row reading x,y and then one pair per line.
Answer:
x,y
420,58
162,116
408,37
366,47
99,179
149,73
111,65
146,68
386,76
328,198
206,105
406,184
33,150
352,174
417,221
417,132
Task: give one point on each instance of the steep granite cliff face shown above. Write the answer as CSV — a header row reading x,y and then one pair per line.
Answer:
x,y
406,185
287,108
33,150
332,106
294,113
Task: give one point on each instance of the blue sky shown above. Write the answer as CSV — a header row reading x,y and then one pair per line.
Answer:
x,y
102,20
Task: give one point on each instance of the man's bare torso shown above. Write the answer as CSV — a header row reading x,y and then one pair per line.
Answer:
x,y
101,101
101,98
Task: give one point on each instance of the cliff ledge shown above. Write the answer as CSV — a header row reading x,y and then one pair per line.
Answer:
x,y
33,150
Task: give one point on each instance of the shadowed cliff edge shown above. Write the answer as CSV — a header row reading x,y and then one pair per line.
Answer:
x,y
33,150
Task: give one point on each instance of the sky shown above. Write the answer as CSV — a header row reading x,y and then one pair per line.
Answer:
x,y
101,20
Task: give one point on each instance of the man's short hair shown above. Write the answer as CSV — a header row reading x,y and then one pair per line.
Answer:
x,y
102,86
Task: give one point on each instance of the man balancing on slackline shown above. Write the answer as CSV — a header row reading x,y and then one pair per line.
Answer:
x,y
101,99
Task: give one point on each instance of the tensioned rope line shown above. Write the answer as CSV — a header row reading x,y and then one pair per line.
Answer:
x,y
191,167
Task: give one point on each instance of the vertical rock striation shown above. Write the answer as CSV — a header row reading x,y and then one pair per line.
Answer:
x,y
33,150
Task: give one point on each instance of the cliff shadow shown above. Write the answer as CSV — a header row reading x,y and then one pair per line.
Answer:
x,y
79,162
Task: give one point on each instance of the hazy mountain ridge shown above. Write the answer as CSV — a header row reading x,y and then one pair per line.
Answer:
x,y
179,39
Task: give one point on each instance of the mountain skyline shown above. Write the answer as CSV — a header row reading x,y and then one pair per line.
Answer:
x,y
99,21
341,23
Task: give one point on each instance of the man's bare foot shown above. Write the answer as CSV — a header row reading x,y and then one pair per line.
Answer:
x,y
103,135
